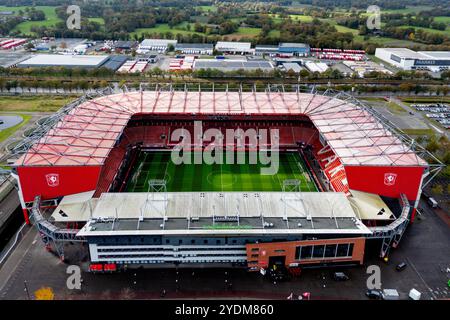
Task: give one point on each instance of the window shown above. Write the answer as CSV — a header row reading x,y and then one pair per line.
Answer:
x,y
330,250
318,251
205,241
192,241
306,252
342,250
297,253
279,251
350,250
217,241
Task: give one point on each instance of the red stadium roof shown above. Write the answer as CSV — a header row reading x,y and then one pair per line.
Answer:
x,y
86,135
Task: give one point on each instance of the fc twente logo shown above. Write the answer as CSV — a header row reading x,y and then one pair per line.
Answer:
x,y
52,179
389,179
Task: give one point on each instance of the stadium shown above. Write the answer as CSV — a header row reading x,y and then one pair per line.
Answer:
x,y
100,174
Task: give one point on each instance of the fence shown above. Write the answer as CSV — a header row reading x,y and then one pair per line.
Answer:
x,y
12,243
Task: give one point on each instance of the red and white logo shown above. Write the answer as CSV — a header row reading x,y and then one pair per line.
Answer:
x,y
389,179
52,179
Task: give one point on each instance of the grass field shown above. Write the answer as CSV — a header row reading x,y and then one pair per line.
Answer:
x,y
245,32
33,103
295,17
412,100
164,28
6,133
386,41
100,21
445,32
25,27
207,8
216,177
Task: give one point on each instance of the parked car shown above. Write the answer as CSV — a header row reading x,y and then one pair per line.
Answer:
x,y
390,294
340,276
401,266
374,294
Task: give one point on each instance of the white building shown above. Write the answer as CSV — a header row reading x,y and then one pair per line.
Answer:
x,y
160,45
316,66
66,61
234,47
407,59
195,48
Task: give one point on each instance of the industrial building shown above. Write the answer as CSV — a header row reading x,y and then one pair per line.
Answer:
x,y
124,45
195,48
407,59
293,67
159,45
296,49
363,67
234,47
316,66
74,178
268,50
115,62
67,61
232,65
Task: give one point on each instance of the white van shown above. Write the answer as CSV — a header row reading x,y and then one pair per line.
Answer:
x,y
433,203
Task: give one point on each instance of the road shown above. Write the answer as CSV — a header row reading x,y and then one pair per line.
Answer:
x,y
420,116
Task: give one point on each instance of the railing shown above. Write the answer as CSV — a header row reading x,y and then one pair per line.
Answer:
x,y
6,185
12,244
50,230
386,231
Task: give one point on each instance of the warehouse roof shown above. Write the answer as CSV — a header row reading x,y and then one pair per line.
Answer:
x,y
438,55
230,65
157,42
292,66
57,60
233,45
293,45
86,135
208,46
266,47
115,62
404,53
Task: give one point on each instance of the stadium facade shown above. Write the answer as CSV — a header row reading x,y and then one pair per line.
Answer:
x,y
74,177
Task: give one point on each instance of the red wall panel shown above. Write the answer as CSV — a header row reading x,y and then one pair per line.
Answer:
x,y
385,181
52,182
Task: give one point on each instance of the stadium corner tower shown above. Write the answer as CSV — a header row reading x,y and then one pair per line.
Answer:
x,y
101,174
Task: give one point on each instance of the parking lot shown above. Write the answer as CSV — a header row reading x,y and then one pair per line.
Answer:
x,y
440,112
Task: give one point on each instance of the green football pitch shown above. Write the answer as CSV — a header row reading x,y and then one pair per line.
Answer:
x,y
216,177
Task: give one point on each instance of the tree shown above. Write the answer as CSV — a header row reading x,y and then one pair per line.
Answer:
x,y
437,189
432,145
